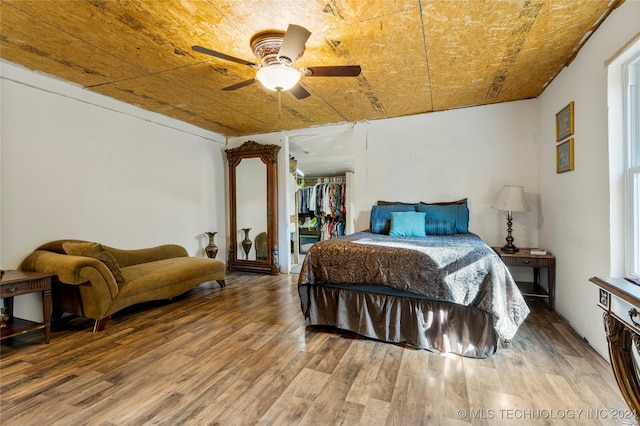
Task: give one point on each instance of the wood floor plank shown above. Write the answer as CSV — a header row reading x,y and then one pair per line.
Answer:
x,y
382,387
366,378
243,355
374,412
420,373
296,399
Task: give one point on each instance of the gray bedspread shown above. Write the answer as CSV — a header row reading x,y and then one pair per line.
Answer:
x,y
459,268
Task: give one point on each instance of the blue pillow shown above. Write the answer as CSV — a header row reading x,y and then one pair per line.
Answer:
x,y
458,214
407,224
380,221
462,224
439,227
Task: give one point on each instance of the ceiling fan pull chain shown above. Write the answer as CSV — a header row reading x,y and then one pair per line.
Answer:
x,y
280,104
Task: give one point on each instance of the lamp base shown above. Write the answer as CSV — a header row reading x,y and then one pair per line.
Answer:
x,y
509,249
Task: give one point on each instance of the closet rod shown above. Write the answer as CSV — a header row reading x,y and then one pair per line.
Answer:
x,y
310,181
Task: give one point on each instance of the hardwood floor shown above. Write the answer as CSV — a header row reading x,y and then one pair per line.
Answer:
x,y
242,355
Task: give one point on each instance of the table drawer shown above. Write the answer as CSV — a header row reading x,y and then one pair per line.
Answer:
x,y
17,288
530,262
627,313
14,289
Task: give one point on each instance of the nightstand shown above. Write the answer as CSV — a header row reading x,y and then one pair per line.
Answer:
x,y
525,259
16,283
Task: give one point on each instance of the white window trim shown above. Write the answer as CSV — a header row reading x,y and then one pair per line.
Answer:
x,y
633,224
624,222
631,70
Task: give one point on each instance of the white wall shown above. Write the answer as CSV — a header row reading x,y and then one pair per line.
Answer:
x,y
465,153
76,164
576,223
444,156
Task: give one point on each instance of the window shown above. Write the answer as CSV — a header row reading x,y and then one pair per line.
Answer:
x,y
632,165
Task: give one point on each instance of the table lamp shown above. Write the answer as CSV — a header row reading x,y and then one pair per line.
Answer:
x,y
511,199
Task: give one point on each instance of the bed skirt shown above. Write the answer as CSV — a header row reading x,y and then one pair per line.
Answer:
x,y
394,316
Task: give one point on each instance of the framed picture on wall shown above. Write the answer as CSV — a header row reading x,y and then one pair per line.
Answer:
x,y
564,122
564,156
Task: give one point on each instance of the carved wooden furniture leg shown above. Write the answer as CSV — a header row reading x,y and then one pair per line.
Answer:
x,y
621,340
100,324
222,283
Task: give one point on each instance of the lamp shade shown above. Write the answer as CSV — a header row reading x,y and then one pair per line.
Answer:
x,y
278,77
511,198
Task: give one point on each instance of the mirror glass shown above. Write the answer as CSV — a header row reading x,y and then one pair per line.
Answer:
x,y
251,206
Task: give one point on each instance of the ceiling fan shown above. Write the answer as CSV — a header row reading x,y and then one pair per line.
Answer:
x,y
278,51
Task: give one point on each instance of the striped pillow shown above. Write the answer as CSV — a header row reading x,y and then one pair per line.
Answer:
x,y
439,227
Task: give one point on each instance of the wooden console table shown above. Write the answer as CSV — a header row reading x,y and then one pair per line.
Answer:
x,y
620,300
16,283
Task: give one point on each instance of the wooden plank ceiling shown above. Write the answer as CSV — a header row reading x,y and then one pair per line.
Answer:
x,y
416,56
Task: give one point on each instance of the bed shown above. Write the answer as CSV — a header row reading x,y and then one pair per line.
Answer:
x,y
445,291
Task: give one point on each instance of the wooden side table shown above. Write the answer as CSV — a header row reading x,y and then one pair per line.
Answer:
x,y
16,283
620,301
524,258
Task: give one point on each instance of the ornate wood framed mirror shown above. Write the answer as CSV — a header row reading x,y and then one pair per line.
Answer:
x,y
253,200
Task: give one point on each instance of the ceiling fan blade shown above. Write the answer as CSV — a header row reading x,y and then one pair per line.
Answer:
x,y
299,92
293,43
239,85
223,56
333,71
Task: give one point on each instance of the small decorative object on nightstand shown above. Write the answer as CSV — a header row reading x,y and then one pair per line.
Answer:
x,y
511,199
16,283
526,259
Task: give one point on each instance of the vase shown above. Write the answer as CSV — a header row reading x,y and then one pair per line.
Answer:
x,y
211,250
246,243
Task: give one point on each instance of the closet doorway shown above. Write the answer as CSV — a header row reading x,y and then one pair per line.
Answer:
x,y
323,199
322,209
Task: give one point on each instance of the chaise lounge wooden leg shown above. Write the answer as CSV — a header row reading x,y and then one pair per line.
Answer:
x,y
100,324
222,283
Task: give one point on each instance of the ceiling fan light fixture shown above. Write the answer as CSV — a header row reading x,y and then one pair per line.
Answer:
x,y
278,77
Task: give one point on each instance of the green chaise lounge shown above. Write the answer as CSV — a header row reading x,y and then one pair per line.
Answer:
x,y
96,281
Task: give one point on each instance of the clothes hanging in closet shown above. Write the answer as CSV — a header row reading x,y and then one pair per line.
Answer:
x,y
324,200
